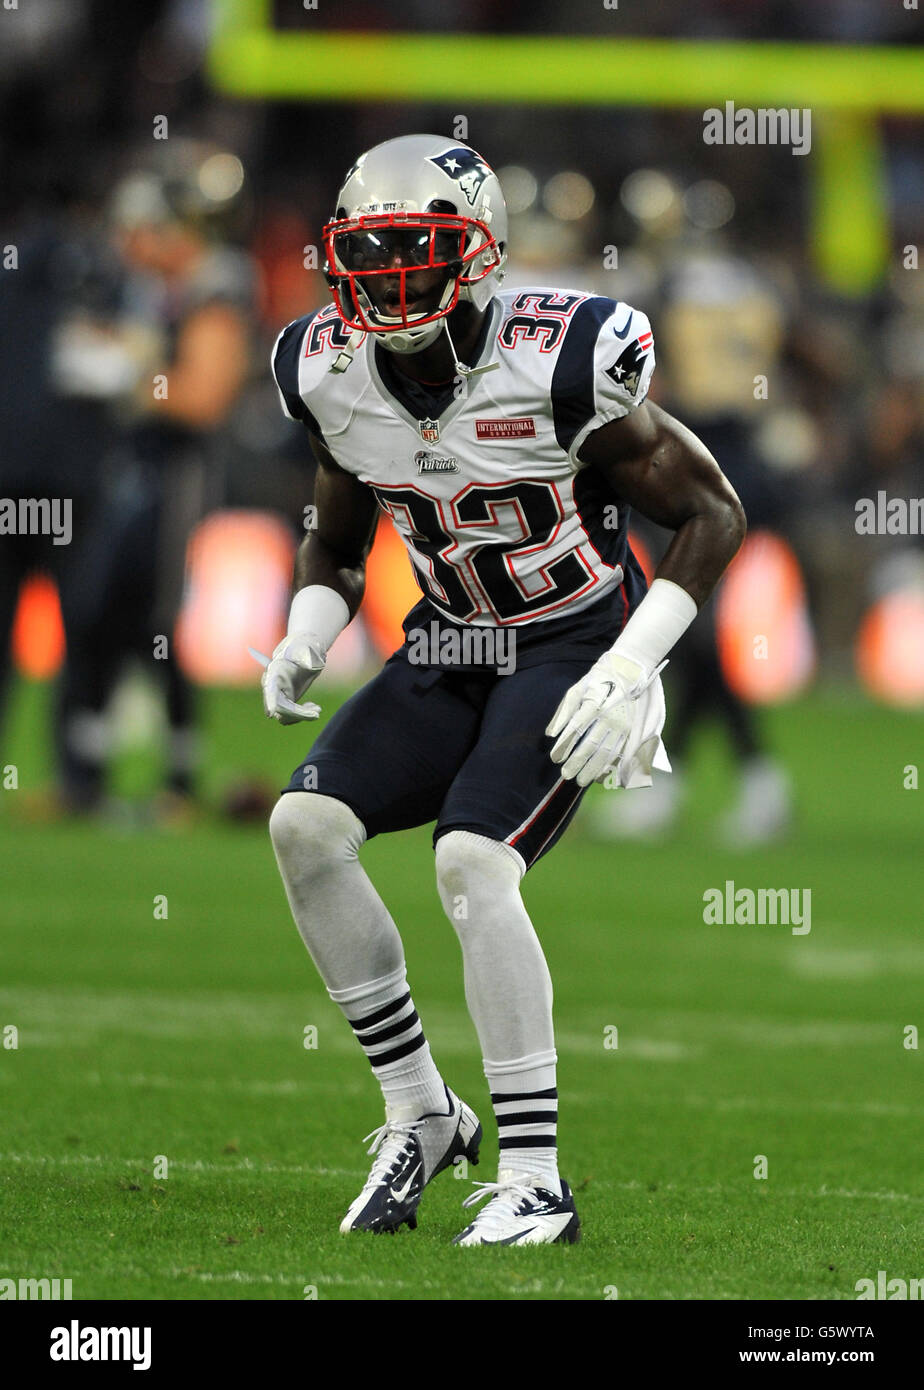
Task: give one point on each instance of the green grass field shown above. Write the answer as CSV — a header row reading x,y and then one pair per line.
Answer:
x,y
140,1037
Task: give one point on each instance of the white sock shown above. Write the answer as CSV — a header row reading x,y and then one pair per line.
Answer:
x,y
355,944
509,994
525,1101
387,1028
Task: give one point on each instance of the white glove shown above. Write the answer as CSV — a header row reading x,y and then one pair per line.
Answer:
x,y
296,662
602,719
318,614
596,718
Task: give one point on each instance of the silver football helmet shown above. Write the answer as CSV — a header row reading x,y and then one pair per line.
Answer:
x,y
421,225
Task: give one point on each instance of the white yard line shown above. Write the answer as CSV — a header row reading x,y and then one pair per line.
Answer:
x,y
244,1166
240,1276
218,1085
786,1103
62,1017
250,1168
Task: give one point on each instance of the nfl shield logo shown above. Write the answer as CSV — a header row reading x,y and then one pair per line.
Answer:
x,y
429,431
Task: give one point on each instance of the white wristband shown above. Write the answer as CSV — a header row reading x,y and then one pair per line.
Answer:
x,y
321,611
661,618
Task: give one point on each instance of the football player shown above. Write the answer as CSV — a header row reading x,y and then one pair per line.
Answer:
x,y
506,435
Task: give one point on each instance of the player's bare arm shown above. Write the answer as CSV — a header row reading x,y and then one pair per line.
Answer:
x,y
653,463
334,552
660,468
330,577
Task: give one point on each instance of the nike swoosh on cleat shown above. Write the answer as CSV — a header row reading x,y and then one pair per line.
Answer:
x,y
514,1240
399,1193
625,327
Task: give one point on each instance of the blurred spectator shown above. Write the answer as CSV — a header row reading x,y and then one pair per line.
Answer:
x,y
190,297
58,379
721,331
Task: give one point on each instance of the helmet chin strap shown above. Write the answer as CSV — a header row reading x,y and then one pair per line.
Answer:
x,y
344,358
462,370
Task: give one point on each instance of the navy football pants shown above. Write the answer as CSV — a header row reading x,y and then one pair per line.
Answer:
x,y
467,750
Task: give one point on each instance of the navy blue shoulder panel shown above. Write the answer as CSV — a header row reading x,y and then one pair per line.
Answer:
x,y
572,388
285,370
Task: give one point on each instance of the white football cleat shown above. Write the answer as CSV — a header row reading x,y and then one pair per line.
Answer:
x,y
408,1154
521,1212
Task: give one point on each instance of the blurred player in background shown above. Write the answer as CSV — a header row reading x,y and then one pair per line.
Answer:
x,y
507,436
188,312
721,331
56,424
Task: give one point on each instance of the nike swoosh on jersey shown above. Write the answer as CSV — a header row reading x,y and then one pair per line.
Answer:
x,y
625,327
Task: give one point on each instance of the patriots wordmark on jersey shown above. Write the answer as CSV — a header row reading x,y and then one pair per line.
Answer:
x,y
502,522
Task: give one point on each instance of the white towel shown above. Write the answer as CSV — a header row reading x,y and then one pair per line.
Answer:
x,y
643,751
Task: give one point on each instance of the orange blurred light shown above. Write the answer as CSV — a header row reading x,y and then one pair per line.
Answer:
x,y
38,632
391,588
643,555
239,573
764,635
890,649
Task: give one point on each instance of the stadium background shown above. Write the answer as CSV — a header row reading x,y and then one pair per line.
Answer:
x,y
157,989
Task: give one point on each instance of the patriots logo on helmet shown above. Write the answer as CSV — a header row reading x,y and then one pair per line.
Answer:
x,y
626,371
464,166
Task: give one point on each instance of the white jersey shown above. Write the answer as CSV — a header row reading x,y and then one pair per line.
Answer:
x,y
503,523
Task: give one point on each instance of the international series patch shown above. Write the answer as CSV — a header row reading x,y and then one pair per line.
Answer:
x,y
523,428
429,431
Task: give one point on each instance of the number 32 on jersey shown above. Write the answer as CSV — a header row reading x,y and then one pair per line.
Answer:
x,y
500,580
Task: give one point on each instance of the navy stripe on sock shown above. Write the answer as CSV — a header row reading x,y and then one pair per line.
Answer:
x,y
529,1117
357,1024
383,1034
397,1053
527,1141
497,1096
